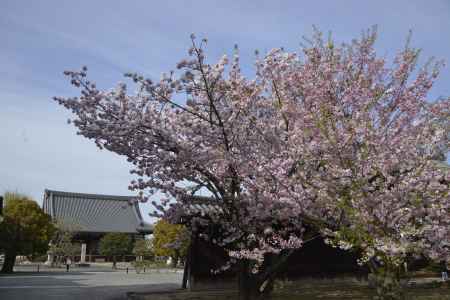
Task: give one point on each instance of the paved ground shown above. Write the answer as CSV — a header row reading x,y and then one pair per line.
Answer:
x,y
83,284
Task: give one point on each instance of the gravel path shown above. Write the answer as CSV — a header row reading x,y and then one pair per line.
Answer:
x,y
84,285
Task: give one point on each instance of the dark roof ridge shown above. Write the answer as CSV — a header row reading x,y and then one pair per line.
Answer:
x,y
93,196
109,214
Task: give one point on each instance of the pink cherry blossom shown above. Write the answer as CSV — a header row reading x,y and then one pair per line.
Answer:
x,y
332,137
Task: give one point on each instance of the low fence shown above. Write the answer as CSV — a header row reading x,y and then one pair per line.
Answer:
x,y
103,258
92,267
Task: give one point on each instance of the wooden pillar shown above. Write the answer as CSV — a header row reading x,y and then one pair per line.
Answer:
x,y
191,265
187,268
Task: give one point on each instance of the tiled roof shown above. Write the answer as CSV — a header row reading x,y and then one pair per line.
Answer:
x,y
95,213
193,205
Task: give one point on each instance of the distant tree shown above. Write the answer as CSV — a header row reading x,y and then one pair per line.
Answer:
x,y
115,244
62,245
26,229
170,240
143,248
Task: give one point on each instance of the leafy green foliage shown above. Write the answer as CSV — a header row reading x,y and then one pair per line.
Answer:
x,y
26,229
170,240
114,244
63,246
143,248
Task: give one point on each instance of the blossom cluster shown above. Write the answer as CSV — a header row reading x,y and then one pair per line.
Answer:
x,y
332,137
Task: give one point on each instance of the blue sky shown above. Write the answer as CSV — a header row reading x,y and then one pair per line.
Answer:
x,y
40,39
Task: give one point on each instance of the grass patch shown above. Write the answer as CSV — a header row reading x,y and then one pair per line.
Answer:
x,y
429,291
333,291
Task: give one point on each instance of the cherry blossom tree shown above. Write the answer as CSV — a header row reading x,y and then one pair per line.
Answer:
x,y
363,141
333,138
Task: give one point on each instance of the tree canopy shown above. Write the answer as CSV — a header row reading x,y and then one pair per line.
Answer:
x,y
143,248
333,137
170,240
62,244
113,244
25,230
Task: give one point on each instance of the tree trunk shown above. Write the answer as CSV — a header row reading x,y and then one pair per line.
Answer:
x,y
187,268
185,276
247,286
10,260
114,262
260,286
251,287
386,280
174,261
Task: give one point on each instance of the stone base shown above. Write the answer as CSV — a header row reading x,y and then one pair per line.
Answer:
x,y
82,265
